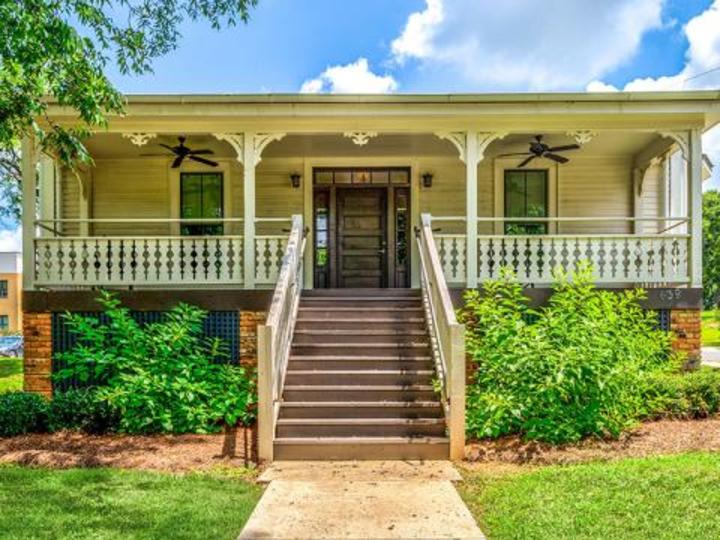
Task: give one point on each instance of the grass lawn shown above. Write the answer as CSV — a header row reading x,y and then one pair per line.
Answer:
x,y
673,497
710,329
112,503
11,374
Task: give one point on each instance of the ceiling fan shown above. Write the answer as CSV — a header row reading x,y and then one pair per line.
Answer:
x,y
539,149
181,152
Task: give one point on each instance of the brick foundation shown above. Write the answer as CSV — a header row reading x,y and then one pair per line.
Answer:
x,y
249,321
686,327
38,353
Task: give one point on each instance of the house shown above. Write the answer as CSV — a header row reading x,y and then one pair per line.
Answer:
x,y
329,236
10,292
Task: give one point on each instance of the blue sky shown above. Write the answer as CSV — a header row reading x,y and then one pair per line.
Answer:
x,y
446,46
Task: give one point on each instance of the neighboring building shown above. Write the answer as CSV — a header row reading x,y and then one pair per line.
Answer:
x,y
207,199
10,292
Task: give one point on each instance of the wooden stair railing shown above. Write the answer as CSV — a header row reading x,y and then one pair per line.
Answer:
x,y
447,337
275,338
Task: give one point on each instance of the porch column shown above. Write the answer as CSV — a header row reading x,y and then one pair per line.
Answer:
x,y
248,161
472,160
29,205
47,186
695,206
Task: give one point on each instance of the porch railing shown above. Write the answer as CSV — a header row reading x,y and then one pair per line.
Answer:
x,y
153,260
275,337
447,337
646,259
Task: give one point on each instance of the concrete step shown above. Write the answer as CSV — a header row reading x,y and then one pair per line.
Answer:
x,y
385,348
361,448
338,392
361,409
363,377
344,362
361,427
315,293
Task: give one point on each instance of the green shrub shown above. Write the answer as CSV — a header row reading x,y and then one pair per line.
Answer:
x,y
81,409
160,377
683,395
22,412
574,368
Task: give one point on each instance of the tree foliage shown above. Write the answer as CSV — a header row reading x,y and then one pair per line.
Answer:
x,y
711,248
59,49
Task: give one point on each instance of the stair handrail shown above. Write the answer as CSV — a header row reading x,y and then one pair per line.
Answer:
x,y
446,334
274,338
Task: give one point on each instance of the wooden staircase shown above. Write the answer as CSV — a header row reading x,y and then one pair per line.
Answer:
x,y
359,378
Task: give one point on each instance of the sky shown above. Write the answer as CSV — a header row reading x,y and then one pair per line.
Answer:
x,y
380,46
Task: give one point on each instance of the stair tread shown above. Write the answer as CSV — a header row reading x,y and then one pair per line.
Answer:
x,y
323,357
360,332
361,298
358,387
369,404
417,320
361,440
359,421
359,308
360,371
364,345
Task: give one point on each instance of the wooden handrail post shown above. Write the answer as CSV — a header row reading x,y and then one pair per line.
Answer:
x,y
457,392
265,392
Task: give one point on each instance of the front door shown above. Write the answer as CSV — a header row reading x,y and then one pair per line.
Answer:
x,y
361,237
361,227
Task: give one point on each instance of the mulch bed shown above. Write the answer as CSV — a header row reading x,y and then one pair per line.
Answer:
x,y
181,453
171,453
649,439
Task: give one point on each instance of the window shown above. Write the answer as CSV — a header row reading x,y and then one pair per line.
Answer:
x,y
3,288
526,195
201,197
4,322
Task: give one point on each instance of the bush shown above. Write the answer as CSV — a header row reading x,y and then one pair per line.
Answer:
x,y
22,412
574,368
83,410
683,395
161,377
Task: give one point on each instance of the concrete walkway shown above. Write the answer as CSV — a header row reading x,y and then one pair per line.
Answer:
x,y
369,500
711,356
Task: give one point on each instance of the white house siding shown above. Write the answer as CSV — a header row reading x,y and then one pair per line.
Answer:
x,y
274,197
69,202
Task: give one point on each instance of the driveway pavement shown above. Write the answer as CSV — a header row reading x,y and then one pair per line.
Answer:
x,y
711,356
369,500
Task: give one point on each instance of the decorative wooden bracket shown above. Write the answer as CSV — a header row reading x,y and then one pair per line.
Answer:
x,y
360,138
682,138
139,139
459,140
582,136
260,141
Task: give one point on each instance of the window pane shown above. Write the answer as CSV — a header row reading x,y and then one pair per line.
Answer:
x,y
212,196
399,177
361,177
3,288
380,177
536,205
514,194
342,177
324,177
191,196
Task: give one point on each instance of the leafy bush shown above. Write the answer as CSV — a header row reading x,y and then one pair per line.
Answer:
x,y
81,409
22,412
574,368
683,395
160,377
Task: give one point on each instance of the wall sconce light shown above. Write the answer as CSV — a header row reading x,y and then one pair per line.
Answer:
x,y
427,179
295,180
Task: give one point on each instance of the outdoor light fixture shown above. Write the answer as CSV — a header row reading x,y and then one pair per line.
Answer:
x,y
295,180
427,179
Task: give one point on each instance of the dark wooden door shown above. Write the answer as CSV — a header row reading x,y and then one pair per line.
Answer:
x,y
361,237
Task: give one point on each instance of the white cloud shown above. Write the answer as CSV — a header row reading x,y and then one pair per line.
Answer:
x,y
416,38
514,45
353,78
11,240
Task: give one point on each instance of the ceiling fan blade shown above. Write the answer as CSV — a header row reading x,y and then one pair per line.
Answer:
x,y
204,151
167,146
154,155
513,154
555,157
203,160
177,162
564,148
526,161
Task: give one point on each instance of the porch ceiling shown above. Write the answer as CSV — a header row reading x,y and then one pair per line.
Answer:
x,y
611,143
